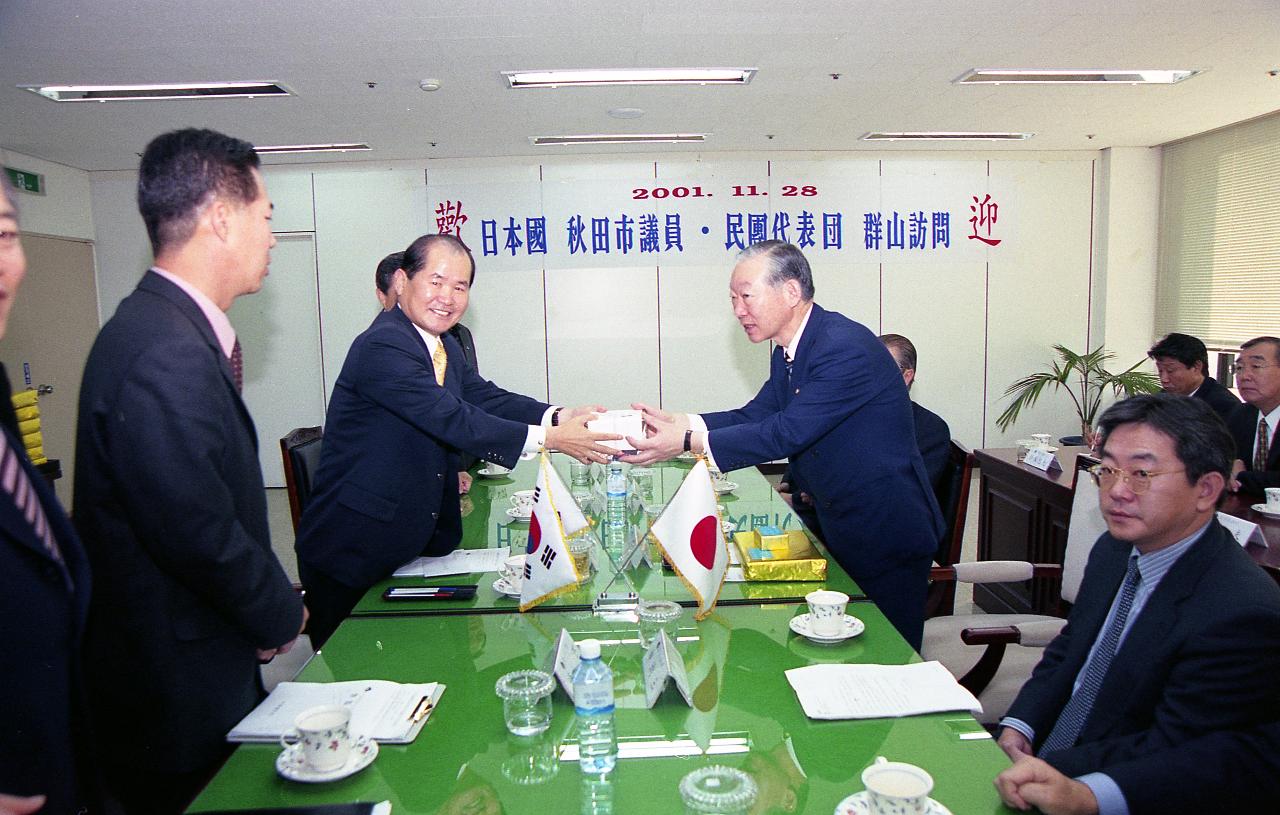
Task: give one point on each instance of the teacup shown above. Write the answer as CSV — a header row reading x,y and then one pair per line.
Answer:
x,y
1042,439
826,612
493,468
896,788
1273,499
522,500
324,734
513,569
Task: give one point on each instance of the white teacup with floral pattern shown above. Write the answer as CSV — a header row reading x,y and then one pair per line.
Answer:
x,y
323,734
896,788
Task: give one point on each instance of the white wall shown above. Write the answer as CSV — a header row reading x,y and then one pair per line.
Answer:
x,y
615,329
1126,250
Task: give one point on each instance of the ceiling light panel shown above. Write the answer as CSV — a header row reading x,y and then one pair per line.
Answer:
x,y
943,135
347,147
123,93
998,76
627,76
619,138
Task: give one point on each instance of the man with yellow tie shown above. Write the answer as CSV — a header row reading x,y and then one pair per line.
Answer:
x,y
403,408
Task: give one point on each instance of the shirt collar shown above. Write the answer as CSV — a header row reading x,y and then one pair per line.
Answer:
x,y
1272,418
430,339
790,350
1153,566
218,320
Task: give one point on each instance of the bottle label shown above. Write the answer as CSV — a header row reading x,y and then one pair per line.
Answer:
x,y
593,698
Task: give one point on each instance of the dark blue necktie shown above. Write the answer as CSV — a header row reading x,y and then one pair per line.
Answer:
x,y
1076,712
786,360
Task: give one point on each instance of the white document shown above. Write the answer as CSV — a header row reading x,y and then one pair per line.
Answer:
x,y
625,422
380,709
734,574
461,561
1245,532
878,691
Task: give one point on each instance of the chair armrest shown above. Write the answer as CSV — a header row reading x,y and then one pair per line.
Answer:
x,y
1032,634
994,571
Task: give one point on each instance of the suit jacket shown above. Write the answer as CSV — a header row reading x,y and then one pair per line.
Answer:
x,y
170,505
933,437
1225,771
845,422
42,706
1243,425
468,345
387,487
1223,401
1202,656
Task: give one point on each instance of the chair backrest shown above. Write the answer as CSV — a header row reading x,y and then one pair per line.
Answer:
x,y
1083,529
952,492
300,450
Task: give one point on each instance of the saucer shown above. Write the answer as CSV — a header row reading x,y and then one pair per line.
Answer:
x,y
485,472
501,586
290,763
1263,510
516,515
852,628
724,487
857,804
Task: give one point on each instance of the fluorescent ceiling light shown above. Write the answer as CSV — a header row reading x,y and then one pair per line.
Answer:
x,y
943,135
627,76
999,76
176,90
619,138
312,148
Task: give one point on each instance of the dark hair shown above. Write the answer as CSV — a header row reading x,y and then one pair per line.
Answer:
x,y
786,262
184,170
387,270
1184,348
1274,341
415,257
1200,438
902,349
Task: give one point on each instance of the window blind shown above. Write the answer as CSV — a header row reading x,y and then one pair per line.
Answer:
x,y
1219,257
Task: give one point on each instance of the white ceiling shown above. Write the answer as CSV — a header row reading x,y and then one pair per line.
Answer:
x,y
896,60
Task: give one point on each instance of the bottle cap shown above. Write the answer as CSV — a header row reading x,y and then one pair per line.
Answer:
x,y
589,649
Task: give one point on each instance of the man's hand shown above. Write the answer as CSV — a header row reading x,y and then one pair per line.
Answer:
x,y
1014,744
1032,782
1233,484
665,439
464,483
20,804
572,438
654,419
268,654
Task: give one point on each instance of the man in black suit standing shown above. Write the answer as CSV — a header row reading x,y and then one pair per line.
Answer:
x,y
169,497
1175,632
1183,364
44,599
1253,424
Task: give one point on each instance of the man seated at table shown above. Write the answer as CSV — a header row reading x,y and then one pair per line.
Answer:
x,y
1176,632
1225,771
403,407
1253,424
1183,364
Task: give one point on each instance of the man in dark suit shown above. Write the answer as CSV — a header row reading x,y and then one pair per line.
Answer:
x,y
402,408
836,406
169,497
44,599
1175,632
933,436
1253,424
1183,364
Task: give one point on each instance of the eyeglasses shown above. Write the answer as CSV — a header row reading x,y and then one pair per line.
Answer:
x,y
1139,481
1253,367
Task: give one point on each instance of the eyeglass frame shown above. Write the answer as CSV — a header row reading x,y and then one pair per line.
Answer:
x,y
1137,487
1239,367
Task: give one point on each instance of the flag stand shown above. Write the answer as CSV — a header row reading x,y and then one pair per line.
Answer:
x,y
620,602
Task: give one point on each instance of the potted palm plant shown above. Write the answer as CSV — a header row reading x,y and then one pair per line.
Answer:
x,y
1086,380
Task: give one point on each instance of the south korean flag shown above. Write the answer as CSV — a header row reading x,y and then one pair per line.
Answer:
x,y
548,569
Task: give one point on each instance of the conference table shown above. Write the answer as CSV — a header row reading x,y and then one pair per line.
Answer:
x,y
744,713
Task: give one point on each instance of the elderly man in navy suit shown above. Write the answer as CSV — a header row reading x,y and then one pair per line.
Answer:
x,y
1253,424
836,406
1175,633
169,501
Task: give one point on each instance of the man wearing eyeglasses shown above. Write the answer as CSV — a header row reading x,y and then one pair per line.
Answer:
x,y
1175,632
1253,424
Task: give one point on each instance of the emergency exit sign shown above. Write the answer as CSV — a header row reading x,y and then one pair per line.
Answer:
x,y
25,181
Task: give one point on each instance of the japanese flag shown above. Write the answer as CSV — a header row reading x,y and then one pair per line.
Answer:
x,y
548,569
690,535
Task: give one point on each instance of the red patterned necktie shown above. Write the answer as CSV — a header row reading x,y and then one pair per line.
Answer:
x,y
1261,449
18,487
237,366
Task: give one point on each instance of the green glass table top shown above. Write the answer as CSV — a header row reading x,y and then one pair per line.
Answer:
x,y
486,524
744,715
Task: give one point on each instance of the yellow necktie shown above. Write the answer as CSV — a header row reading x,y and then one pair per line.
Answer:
x,y
440,360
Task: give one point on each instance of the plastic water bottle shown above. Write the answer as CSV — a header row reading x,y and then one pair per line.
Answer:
x,y
615,486
593,703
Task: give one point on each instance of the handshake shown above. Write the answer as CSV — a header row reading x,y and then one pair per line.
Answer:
x,y
638,436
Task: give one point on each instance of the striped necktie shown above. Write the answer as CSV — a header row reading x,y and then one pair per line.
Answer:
x,y
237,366
1076,712
440,359
18,487
1261,449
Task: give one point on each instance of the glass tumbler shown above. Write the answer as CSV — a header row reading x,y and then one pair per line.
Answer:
x,y
719,790
526,701
656,616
